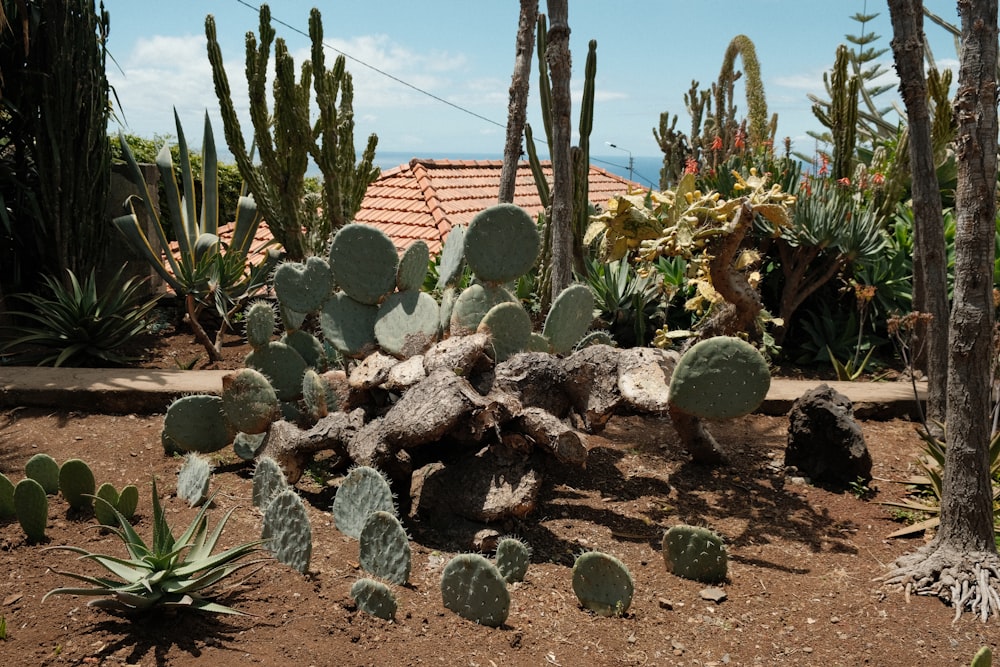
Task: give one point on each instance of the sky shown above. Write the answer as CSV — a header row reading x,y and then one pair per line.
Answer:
x,y
462,51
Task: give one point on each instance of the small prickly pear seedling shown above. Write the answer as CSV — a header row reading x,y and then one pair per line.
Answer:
x,y
76,483
287,532
6,497
473,588
193,479
31,506
384,548
128,501
363,491
260,322
105,505
602,583
571,315
314,395
513,558
43,469
695,553
375,598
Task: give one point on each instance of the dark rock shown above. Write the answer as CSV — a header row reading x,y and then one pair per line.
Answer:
x,y
825,443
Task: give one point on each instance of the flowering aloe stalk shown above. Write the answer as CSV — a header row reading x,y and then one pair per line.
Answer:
x,y
172,572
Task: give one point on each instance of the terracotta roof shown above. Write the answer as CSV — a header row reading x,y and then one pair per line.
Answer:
x,y
424,199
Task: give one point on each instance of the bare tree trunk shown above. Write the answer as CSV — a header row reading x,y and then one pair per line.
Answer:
x,y
930,284
560,66
966,505
518,104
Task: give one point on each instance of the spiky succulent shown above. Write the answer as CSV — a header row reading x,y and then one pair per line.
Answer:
x,y
170,572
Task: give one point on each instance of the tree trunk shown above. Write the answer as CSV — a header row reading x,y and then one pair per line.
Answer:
x,y
557,57
966,505
518,104
930,285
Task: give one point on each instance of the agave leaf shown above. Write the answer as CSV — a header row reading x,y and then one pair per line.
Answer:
x,y
163,538
205,544
209,182
130,571
218,559
207,579
916,527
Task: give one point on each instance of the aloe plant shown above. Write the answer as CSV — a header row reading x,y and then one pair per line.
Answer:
x,y
205,272
169,572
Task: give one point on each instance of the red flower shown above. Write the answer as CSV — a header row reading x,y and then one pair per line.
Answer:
x,y
878,179
717,143
806,186
845,181
690,166
741,139
824,165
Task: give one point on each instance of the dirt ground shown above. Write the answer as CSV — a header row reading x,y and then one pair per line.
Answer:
x,y
801,586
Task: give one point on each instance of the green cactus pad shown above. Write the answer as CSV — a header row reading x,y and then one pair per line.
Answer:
x,y
364,261
349,325
128,501
695,553
314,395
720,378
602,583
374,598
31,506
413,267
452,258
446,308
292,320
248,445
248,401
473,588
363,491
509,327
501,243
384,548
43,469
303,287
260,323
105,511
308,347
282,366
538,343
193,479
287,530
407,323
268,482
513,557
983,658
595,338
76,483
6,497
571,315
196,424
473,304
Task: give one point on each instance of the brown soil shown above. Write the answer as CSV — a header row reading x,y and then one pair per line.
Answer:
x,y
800,588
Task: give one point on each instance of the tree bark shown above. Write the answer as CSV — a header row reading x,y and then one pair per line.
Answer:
x,y
557,57
518,104
966,505
930,285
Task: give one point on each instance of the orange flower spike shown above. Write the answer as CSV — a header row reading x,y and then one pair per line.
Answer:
x,y
717,143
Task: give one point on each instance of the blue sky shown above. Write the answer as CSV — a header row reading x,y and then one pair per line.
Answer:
x,y
463,51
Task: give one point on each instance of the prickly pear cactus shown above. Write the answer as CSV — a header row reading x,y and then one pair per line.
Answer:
x,y
513,558
452,258
509,327
268,482
363,491
76,483
6,497
983,658
196,424
571,315
283,367
248,401
105,511
43,469
308,347
31,506
260,322
720,378
695,553
303,287
364,261
287,530
473,304
501,243
384,548
413,267
314,395
349,325
247,445
407,323
473,588
193,479
375,598
602,583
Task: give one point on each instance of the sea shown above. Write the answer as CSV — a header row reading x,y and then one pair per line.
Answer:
x,y
644,170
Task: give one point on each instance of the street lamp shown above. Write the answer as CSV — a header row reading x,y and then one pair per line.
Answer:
x,y
631,162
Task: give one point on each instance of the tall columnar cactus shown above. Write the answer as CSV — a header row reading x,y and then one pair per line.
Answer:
x,y
695,553
375,598
43,469
725,108
31,506
841,116
363,491
193,479
76,483
513,557
287,531
384,548
602,583
473,588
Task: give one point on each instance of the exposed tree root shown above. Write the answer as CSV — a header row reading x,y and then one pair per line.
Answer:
x,y
968,581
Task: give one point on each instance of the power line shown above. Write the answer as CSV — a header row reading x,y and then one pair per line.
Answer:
x,y
393,77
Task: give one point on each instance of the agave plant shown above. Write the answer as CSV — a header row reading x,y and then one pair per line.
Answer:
x,y
77,323
171,572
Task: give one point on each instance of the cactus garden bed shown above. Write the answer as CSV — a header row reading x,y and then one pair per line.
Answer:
x,y
799,587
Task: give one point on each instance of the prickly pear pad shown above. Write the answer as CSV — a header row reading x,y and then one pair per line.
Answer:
x,y
473,588
501,243
720,378
602,583
374,597
695,553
